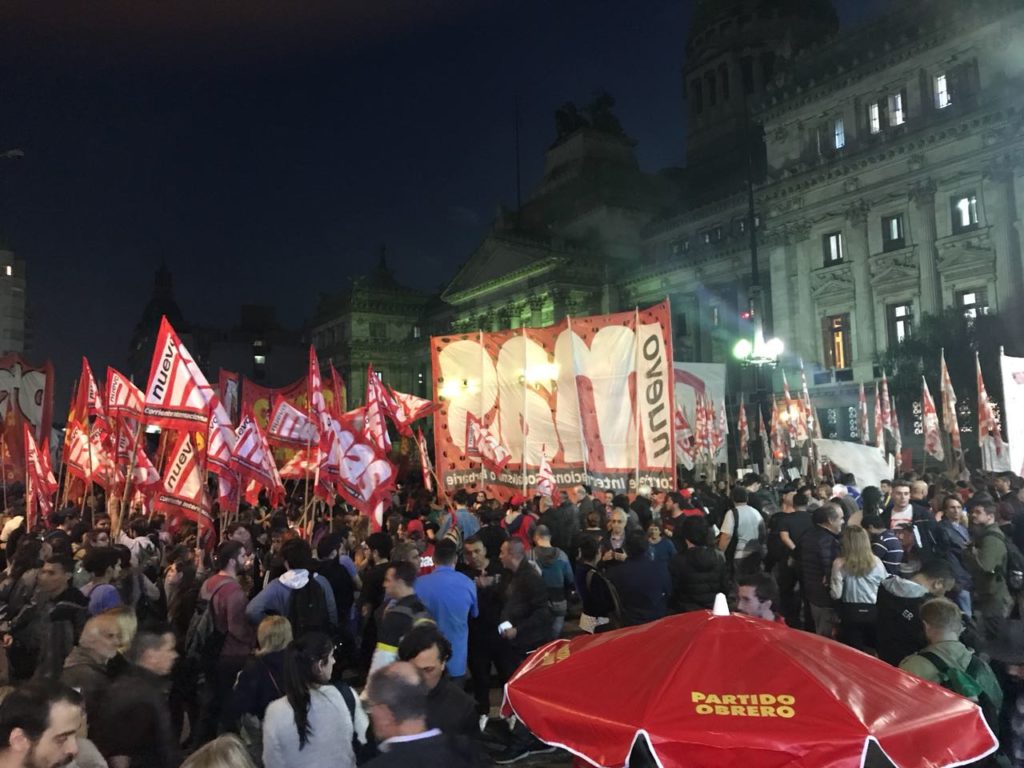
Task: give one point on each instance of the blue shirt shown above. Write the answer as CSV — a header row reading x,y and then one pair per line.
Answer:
x,y
464,519
451,599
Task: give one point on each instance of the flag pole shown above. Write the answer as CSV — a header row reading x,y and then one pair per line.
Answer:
x,y
115,525
3,468
87,486
636,401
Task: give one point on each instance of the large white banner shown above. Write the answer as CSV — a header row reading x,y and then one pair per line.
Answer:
x,y
693,379
1013,409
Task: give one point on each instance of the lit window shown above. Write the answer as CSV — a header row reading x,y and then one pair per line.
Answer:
x,y
706,236
892,233
972,303
901,321
379,374
875,118
965,212
897,116
259,359
838,134
416,332
10,270
258,343
715,316
942,99
833,245
837,341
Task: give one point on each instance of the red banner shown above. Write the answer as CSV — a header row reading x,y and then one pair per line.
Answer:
x,y
593,395
26,397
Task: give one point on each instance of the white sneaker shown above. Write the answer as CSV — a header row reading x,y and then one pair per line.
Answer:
x,y
483,722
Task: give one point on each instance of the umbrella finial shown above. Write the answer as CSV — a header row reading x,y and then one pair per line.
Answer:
x,y
721,606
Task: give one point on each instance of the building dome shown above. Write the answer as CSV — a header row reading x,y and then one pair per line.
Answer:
x,y
723,19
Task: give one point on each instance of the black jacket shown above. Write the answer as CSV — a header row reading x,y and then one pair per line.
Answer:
x,y
439,751
563,522
698,574
898,628
526,607
341,584
260,682
644,587
452,710
818,548
134,720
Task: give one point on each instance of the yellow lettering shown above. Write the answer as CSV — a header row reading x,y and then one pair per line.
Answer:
x,y
738,709
787,699
705,709
786,712
767,711
751,710
721,709
696,696
729,699
713,699
766,699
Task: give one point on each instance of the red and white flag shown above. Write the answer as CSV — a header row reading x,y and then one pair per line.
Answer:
x,y
780,445
492,453
90,394
409,408
177,396
930,422
886,405
378,407
367,476
145,477
229,389
290,426
897,436
300,465
545,477
743,437
766,446
183,491
879,423
811,416
684,439
796,422
425,465
719,430
339,401
328,468
862,416
124,399
221,445
76,452
253,460
950,422
40,484
228,490
990,438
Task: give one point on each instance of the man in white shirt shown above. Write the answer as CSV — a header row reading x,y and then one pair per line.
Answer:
x,y
902,509
747,526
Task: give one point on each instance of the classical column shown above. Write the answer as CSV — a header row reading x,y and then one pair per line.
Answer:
x,y
858,251
922,222
997,189
1018,198
804,339
781,306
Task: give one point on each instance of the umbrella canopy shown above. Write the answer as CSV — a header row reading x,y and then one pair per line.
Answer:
x,y
715,691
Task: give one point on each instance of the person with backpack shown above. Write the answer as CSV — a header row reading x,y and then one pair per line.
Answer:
x,y
401,611
600,609
743,535
219,637
305,598
951,664
987,560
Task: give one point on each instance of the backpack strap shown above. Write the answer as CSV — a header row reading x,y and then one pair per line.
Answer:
x,y
932,658
350,700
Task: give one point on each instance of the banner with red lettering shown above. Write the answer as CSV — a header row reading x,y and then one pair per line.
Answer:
x,y
26,397
594,395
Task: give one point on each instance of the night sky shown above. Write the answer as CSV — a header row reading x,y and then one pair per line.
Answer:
x,y
266,149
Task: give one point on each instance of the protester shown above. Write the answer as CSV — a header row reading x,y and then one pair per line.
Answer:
x,y
600,602
698,571
757,595
902,511
484,640
557,573
224,752
643,586
302,595
856,574
403,611
818,550
450,598
449,708
898,630
526,620
986,559
104,567
743,535
311,725
39,726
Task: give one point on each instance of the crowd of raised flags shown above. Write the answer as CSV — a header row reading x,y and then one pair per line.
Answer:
x,y
336,453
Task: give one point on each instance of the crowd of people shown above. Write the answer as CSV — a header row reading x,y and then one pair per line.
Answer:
x,y
280,640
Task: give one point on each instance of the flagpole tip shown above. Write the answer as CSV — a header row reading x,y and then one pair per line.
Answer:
x,y
721,607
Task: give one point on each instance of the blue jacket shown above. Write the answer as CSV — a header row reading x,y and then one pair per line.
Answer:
x,y
274,597
450,597
464,519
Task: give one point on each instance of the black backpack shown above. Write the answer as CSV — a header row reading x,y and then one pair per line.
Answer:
x,y
307,609
1014,575
203,641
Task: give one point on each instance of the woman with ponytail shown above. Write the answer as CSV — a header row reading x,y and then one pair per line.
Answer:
x,y
312,724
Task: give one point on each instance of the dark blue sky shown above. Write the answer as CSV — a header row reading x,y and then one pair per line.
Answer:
x,y
265,154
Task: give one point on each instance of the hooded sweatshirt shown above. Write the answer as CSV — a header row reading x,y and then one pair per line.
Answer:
x,y
555,570
274,598
898,628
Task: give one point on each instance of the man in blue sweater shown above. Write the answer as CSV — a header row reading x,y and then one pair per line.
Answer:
x,y
450,597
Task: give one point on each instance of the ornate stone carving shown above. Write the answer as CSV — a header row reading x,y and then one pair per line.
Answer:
x,y
832,280
923,193
916,162
851,185
857,212
893,268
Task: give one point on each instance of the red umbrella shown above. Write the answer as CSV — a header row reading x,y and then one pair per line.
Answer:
x,y
714,691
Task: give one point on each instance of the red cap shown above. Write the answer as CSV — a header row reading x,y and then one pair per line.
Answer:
x,y
517,499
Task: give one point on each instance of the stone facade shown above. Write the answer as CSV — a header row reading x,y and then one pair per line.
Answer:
x,y
13,308
888,169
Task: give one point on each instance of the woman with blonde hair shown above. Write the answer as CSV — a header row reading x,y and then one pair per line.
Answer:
x,y
260,682
224,752
856,574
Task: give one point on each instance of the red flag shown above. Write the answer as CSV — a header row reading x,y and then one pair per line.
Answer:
x,y
378,406
409,408
123,397
328,470
796,423
290,426
780,446
227,490
896,435
862,415
950,421
145,476
177,396
546,485
930,420
762,433
492,453
40,484
222,440
184,486
742,428
229,391
367,476
886,400
253,459
339,403
879,423
89,394
684,438
299,466
719,430
813,427
76,452
425,466
990,438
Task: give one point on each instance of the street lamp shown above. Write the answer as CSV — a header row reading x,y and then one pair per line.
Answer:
x,y
759,352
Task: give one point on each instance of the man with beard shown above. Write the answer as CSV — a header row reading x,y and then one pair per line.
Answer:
x,y
39,725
